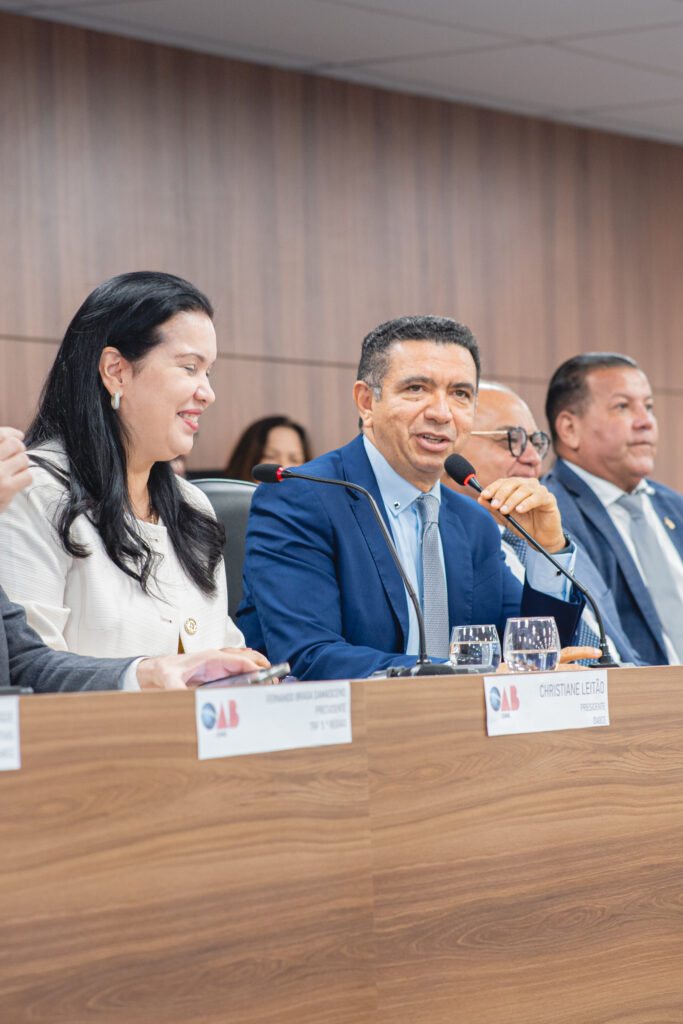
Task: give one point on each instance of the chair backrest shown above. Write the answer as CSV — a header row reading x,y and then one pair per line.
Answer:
x,y
231,500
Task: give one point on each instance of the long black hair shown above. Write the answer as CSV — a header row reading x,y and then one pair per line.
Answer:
x,y
75,410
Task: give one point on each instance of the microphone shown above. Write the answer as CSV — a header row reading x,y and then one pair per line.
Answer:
x,y
464,473
269,473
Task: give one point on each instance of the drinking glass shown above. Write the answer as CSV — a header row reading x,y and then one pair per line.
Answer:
x,y
531,645
475,645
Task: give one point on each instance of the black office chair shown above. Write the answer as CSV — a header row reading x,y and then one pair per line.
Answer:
x,y
231,500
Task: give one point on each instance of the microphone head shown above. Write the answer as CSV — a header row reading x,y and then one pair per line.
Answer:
x,y
462,471
267,473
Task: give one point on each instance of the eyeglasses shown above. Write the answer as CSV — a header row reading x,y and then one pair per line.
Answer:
x,y
518,439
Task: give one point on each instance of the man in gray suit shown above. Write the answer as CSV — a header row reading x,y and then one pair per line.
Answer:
x,y
25,661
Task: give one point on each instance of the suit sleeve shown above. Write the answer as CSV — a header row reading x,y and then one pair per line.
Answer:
x,y
293,605
33,664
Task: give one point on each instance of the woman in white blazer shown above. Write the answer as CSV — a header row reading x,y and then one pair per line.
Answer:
x,y
108,550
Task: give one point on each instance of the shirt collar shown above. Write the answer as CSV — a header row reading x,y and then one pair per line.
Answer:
x,y
607,492
397,493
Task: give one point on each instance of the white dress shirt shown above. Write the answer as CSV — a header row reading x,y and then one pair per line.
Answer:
x,y
88,605
608,494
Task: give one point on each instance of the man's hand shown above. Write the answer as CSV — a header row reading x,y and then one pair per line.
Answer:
x,y
185,671
14,465
567,656
570,654
531,504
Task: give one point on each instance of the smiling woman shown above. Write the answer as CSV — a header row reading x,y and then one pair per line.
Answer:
x,y
108,550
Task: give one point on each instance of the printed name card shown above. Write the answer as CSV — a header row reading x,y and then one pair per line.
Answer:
x,y
258,719
546,701
10,751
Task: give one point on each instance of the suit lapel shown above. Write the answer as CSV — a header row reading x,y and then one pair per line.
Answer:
x,y
457,556
357,470
592,509
669,515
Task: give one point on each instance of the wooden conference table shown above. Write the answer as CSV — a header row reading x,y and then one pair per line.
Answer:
x,y
423,873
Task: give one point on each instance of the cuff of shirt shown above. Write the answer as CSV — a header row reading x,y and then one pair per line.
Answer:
x,y
544,577
130,678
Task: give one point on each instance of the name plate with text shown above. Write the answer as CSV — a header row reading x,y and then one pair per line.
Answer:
x,y
10,750
546,701
259,719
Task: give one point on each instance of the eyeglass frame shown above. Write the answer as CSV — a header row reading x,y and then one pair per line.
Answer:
x,y
539,439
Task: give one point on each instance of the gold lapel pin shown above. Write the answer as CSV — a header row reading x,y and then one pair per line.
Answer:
x,y
670,523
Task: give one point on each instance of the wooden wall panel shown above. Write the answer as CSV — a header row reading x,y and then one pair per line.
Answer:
x,y
247,389
311,210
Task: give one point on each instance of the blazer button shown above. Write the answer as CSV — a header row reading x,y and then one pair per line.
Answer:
x,y
191,626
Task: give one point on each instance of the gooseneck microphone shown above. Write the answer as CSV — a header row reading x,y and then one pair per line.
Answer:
x,y
464,473
269,473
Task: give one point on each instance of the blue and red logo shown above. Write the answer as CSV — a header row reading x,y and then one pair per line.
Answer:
x,y
225,718
506,701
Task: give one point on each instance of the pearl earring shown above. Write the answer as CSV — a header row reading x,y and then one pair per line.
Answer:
x,y
116,400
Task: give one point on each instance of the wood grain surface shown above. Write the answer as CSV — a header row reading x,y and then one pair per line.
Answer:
x,y
424,873
534,878
141,885
311,210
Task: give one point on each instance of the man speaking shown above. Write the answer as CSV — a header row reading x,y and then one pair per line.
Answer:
x,y
320,587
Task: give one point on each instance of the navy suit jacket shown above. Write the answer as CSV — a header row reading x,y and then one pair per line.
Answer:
x,y
26,661
586,519
321,589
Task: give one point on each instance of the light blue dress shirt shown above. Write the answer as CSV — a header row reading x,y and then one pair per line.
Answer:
x,y
399,500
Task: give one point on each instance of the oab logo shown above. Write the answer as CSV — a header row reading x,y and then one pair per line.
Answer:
x,y
506,701
225,718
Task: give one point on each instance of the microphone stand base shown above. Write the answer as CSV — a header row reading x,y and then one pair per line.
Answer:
x,y
434,668
431,668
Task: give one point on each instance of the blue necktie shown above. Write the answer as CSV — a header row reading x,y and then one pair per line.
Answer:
x,y
434,592
657,571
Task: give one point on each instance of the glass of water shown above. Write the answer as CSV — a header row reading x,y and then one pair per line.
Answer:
x,y
475,645
531,645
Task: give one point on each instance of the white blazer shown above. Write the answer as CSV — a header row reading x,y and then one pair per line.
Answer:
x,y
87,605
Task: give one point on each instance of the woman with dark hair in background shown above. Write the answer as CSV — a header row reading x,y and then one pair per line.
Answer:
x,y
110,552
272,439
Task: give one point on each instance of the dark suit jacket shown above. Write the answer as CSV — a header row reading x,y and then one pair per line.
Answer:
x,y
586,519
26,661
322,592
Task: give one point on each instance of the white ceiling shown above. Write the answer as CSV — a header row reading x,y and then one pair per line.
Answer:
x,y
610,64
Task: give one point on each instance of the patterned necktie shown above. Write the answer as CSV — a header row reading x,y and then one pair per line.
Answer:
x,y
585,635
662,587
434,592
518,544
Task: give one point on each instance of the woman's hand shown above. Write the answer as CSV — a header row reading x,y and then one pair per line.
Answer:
x,y
185,671
14,465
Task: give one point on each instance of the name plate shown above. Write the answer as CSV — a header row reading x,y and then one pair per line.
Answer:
x,y
10,751
259,719
546,701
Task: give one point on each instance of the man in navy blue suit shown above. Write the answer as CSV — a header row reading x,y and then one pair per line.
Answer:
x,y
600,410
320,587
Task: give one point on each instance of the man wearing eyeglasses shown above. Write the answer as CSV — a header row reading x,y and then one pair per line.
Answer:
x,y
506,442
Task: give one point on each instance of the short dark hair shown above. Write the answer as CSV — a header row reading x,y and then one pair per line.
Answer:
x,y
374,360
248,450
568,388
